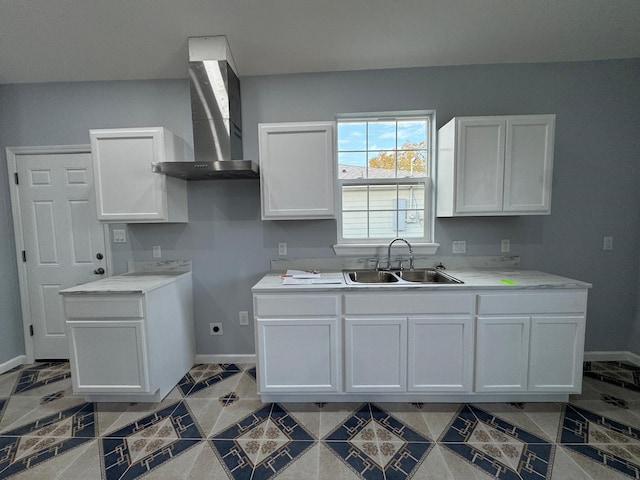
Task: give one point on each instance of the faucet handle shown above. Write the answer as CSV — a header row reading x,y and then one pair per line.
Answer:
x,y
401,266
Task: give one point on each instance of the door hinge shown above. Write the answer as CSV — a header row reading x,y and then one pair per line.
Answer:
x,y
31,330
15,176
24,255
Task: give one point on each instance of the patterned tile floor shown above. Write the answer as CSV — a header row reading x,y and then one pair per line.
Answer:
x,y
214,426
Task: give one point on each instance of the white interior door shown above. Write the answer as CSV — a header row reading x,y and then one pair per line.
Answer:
x,y
63,241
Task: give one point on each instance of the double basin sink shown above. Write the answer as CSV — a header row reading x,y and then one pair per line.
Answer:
x,y
398,277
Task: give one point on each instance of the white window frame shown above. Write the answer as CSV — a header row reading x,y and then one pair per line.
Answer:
x,y
378,246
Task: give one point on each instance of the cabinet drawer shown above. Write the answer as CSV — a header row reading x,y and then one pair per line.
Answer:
x,y
104,306
409,303
532,303
295,305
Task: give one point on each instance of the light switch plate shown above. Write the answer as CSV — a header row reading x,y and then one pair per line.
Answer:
x,y
459,246
282,249
119,236
607,243
505,245
157,252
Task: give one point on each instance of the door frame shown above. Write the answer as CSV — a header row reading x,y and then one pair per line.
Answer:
x,y
13,155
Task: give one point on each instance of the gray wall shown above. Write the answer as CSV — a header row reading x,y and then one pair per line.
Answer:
x,y
595,188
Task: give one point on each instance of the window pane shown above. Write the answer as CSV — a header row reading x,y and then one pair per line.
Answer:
x,y
410,223
382,135
354,225
382,164
383,197
414,195
412,163
382,224
354,198
412,134
352,136
383,150
352,164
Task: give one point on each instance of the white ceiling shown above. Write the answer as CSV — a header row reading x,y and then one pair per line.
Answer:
x,y
66,40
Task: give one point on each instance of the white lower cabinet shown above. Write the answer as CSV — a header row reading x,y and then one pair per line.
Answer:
x,y
375,352
556,353
130,347
298,355
502,352
531,342
440,354
298,343
109,356
491,345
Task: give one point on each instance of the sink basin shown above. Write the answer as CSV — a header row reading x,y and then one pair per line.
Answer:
x,y
370,276
399,277
429,275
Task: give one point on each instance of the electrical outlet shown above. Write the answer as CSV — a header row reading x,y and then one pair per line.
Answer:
x,y
607,243
215,329
243,317
157,252
282,249
505,245
459,246
119,236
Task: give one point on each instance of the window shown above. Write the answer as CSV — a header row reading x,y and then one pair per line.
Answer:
x,y
384,167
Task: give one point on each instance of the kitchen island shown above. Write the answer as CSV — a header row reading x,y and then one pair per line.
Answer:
x,y
131,336
502,335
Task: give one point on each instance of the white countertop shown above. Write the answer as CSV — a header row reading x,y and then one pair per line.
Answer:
x,y
135,282
473,278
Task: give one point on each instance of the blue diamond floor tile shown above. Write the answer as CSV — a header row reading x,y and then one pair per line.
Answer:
x,y
24,447
377,446
608,442
262,444
142,446
40,375
620,374
203,376
497,447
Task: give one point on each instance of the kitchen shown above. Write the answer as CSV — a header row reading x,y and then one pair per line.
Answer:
x,y
595,183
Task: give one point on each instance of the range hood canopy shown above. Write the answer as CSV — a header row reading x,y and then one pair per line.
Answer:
x,y
215,114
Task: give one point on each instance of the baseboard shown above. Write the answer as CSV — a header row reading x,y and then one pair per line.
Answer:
x,y
245,358
13,363
615,356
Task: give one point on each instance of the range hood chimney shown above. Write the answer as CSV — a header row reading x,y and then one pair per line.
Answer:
x,y
216,116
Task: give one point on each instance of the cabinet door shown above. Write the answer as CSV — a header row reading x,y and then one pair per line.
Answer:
x,y
440,354
502,353
298,355
480,165
376,354
108,356
528,164
126,188
556,353
297,171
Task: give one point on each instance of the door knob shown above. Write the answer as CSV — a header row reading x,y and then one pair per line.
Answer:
x,y
99,271
99,256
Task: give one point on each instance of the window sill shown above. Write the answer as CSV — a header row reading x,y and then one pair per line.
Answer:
x,y
354,249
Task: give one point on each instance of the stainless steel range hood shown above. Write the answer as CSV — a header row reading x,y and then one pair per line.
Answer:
x,y
216,116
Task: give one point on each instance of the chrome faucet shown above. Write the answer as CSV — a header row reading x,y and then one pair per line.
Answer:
x,y
389,253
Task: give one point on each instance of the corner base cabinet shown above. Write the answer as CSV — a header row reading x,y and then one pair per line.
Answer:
x,y
132,347
418,346
127,191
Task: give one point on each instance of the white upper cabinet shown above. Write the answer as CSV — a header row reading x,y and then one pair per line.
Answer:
x,y
297,170
495,166
126,189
